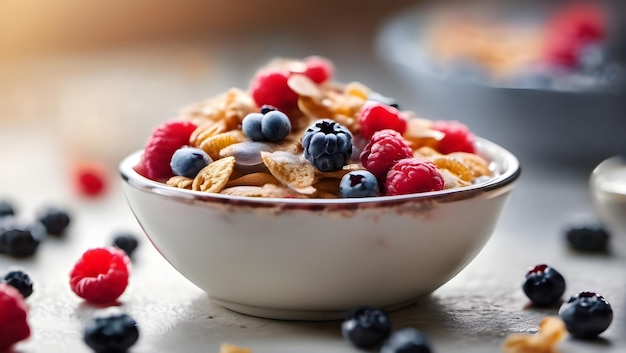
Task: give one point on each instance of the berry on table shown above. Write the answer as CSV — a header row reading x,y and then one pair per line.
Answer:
x,y
54,219
327,145
127,242
587,238
384,149
366,327
269,87
376,116
543,285
586,315
188,161
111,331
20,240
457,137
90,179
358,183
6,209
165,139
100,276
407,340
21,281
413,175
13,321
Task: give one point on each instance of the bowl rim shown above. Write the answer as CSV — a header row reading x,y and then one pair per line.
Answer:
x,y
510,164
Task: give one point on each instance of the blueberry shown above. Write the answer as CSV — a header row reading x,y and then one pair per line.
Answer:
x,y
6,209
188,161
408,340
251,126
377,97
586,315
359,183
587,238
543,285
327,145
21,241
275,126
21,281
54,219
127,242
366,327
112,332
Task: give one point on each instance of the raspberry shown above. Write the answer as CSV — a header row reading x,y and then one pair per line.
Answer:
x,y
164,141
269,87
413,175
318,69
101,275
90,179
13,324
376,116
384,149
457,137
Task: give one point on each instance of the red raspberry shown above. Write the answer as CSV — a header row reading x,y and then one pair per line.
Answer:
x,y
13,324
384,149
90,178
318,69
269,87
413,175
457,137
164,141
375,116
101,275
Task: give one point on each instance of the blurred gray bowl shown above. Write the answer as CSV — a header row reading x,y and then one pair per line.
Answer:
x,y
546,126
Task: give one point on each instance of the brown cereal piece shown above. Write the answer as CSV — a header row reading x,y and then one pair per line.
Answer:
x,y
304,86
230,348
419,133
551,331
357,89
426,152
254,179
451,180
238,104
292,170
215,176
454,166
313,108
327,195
267,190
212,145
328,185
476,164
206,131
338,174
180,182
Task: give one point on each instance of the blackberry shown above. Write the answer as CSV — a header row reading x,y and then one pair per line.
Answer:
x,y
592,238
127,242
21,281
54,219
408,340
6,209
366,327
21,241
327,145
543,285
111,332
586,314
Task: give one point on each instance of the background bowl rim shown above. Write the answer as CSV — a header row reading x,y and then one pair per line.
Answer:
x,y
511,170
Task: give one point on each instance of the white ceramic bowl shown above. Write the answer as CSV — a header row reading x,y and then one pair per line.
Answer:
x,y
315,259
608,193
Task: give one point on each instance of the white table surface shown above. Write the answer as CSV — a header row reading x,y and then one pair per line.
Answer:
x,y
114,98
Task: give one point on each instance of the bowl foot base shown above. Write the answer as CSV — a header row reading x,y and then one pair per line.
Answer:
x,y
296,315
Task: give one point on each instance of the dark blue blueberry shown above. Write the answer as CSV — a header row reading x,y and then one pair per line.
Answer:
x,y
327,145
588,238
21,281
543,285
359,183
188,161
54,219
6,209
115,332
408,340
21,241
126,241
251,126
586,315
366,327
377,97
266,108
275,126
